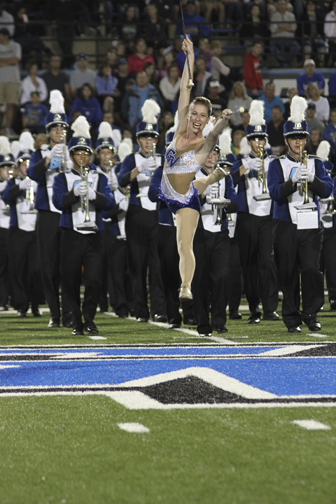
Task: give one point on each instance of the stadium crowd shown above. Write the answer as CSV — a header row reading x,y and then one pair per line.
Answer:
x,y
64,117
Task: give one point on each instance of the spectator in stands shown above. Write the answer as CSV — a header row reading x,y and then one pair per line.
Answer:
x,y
134,99
283,27
311,120
237,136
310,75
251,70
270,100
33,83
166,11
81,74
137,61
34,114
201,78
170,88
238,98
29,42
111,59
195,24
106,87
219,71
122,75
332,90
55,78
272,7
214,12
10,56
275,131
314,141
204,52
129,27
63,17
165,123
321,103
149,68
168,59
234,14
330,31
329,133
6,20
254,27
154,29
291,93
88,106
311,29
218,103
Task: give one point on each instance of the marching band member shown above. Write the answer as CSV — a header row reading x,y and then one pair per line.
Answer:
x,y
142,218
212,281
184,157
297,227
7,167
22,244
327,206
45,164
254,221
81,194
106,160
117,254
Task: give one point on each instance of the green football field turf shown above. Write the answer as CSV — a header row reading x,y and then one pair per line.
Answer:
x,y
70,449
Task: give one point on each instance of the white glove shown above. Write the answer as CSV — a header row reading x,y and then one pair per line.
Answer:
x,y
56,151
91,194
113,181
248,164
27,184
151,164
297,175
306,174
123,204
80,189
258,164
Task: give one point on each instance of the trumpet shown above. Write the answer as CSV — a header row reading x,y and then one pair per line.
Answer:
x,y
261,176
30,194
63,158
304,161
87,225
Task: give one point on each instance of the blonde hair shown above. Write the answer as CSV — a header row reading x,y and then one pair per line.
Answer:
x,y
233,90
215,44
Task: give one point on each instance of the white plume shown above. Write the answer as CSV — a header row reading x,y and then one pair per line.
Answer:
x,y
150,110
105,130
56,101
225,142
125,148
26,141
5,146
116,136
81,127
245,148
257,113
16,148
323,150
298,109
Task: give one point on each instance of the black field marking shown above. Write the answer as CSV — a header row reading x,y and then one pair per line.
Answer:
x,y
325,350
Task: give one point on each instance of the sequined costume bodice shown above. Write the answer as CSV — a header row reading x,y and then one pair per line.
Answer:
x,y
180,163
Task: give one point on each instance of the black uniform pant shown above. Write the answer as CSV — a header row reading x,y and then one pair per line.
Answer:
x,y
81,250
255,247
297,252
142,245
24,269
118,267
213,280
328,260
4,278
235,276
49,243
169,261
